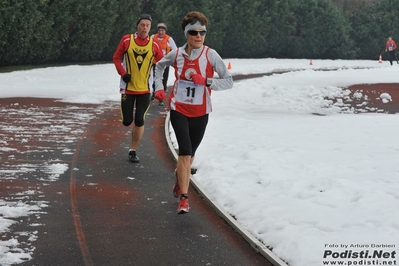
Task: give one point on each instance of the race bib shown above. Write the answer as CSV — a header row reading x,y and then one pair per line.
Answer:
x,y
189,93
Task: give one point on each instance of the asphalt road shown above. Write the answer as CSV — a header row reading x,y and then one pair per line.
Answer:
x,y
105,210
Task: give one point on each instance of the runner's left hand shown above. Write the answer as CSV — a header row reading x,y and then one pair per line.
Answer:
x,y
198,79
160,95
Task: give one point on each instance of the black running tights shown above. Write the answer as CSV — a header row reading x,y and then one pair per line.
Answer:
x,y
189,131
128,102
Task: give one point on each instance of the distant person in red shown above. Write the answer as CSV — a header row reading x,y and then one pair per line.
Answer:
x,y
390,47
133,60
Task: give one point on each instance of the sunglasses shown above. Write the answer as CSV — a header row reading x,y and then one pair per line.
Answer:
x,y
195,32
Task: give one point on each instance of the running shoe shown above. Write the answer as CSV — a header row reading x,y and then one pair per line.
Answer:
x,y
133,157
160,103
183,206
176,187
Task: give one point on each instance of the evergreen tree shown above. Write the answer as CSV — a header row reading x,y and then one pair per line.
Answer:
x,y
25,32
278,27
83,27
321,31
126,15
243,37
366,31
40,31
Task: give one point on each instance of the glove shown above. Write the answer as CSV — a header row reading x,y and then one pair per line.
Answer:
x,y
160,95
198,79
126,78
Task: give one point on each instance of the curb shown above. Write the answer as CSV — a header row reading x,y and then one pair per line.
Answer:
x,y
255,243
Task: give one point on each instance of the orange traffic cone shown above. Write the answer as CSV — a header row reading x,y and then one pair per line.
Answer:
x,y
380,60
311,62
229,66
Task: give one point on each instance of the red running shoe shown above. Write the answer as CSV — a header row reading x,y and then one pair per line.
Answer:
x,y
176,187
183,206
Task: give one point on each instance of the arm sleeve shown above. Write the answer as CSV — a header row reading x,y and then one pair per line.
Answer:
x,y
225,80
172,44
160,67
119,54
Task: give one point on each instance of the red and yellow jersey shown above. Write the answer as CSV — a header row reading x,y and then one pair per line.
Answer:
x,y
192,100
135,56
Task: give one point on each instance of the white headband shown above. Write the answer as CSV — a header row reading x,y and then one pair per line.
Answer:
x,y
192,26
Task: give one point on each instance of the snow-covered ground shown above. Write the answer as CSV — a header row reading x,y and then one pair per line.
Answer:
x,y
314,189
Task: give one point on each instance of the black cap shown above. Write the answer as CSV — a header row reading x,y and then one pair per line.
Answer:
x,y
143,16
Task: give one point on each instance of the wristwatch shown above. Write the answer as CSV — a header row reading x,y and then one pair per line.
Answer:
x,y
208,82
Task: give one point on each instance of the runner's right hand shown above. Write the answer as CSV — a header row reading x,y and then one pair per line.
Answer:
x,y
126,78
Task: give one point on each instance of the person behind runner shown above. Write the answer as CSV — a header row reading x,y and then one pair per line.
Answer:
x,y
133,60
190,98
167,44
390,47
